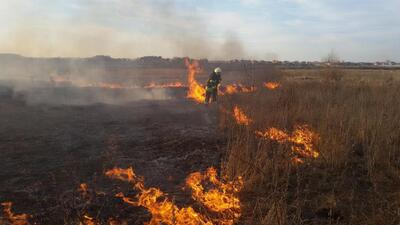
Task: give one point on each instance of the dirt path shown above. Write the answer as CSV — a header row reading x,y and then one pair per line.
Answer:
x,y
47,151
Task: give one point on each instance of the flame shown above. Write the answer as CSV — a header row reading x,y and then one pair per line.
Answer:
x,y
168,85
240,117
230,89
83,189
196,91
236,88
272,85
248,89
274,134
21,219
154,200
122,174
302,139
87,220
297,160
109,85
58,80
221,199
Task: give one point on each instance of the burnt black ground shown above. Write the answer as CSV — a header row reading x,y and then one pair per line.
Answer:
x,y
46,151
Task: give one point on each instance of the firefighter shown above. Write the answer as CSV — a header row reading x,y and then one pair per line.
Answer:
x,y
212,85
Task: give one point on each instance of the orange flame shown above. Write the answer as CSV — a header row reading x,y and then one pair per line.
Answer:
x,y
221,199
274,134
196,91
302,140
272,85
168,85
109,85
236,88
127,175
240,117
83,189
87,220
247,89
21,219
58,80
162,210
230,89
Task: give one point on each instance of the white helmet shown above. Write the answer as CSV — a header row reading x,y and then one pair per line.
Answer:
x,y
217,70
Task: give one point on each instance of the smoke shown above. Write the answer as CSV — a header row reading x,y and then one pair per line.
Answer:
x,y
88,96
232,48
270,56
39,92
117,28
74,81
184,31
77,41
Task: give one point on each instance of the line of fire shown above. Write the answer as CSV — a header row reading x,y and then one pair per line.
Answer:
x,y
173,112
215,151
218,200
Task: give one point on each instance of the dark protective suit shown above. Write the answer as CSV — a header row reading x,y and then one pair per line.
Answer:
x,y
212,87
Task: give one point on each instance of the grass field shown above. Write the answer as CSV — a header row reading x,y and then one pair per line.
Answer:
x,y
320,148
356,177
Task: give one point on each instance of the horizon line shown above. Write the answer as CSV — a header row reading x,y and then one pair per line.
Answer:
x,y
183,57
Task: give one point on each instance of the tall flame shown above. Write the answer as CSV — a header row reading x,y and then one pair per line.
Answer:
x,y
21,219
196,91
272,85
302,139
240,117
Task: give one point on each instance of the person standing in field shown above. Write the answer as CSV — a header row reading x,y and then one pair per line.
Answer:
x,y
212,85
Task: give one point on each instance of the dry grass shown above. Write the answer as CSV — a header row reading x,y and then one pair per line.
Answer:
x,y
356,178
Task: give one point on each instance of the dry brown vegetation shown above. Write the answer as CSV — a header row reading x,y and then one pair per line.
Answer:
x,y
355,179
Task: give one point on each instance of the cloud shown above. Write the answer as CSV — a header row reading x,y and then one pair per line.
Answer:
x,y
292,29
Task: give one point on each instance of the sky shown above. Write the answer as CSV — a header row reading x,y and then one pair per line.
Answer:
x,y
356,30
